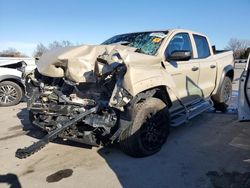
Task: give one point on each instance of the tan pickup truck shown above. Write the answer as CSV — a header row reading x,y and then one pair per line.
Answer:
x,y
130,89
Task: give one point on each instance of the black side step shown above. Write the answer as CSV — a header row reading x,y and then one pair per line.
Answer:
x,y
181,116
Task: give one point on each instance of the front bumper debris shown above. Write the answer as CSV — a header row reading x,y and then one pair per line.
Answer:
x,y
27,151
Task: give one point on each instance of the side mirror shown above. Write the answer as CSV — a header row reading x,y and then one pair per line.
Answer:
x,y
181,55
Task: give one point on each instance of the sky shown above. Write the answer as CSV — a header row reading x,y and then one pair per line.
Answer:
x,y
24,24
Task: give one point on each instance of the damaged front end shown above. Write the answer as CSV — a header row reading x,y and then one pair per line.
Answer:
x,y
86,112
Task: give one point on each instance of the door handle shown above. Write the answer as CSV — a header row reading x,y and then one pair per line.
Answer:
x,y
212,66
195,68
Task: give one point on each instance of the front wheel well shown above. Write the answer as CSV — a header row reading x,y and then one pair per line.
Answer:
x,y
18,82
159,92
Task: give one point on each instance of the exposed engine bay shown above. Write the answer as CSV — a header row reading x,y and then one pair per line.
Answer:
x,y
87,112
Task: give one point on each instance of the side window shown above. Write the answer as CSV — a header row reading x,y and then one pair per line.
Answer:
x,y
202,46
180,41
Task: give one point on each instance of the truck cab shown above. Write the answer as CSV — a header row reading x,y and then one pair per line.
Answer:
x,y
197,70
197,75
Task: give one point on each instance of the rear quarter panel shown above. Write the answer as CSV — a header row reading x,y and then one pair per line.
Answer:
x,y
224,63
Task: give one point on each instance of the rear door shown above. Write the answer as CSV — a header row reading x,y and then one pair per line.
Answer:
x,y
207,65
244,94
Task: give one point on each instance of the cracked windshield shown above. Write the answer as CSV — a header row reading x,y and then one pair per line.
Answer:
x,y
145,42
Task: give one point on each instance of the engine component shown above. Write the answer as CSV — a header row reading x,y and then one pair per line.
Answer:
x,y
106,119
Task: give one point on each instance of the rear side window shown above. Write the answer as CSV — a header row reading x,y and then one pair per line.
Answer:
x,y
202,46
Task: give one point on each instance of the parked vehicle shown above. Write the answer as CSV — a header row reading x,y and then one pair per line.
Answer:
x,y
129,89
12,87
244,94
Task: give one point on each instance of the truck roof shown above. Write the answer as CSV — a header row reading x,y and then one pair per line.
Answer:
x,y
166,30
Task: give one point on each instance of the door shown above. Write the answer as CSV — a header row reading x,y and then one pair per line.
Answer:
x,y
207,65
244,94
185,73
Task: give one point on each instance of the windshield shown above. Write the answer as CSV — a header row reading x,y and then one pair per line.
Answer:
x,y
146,42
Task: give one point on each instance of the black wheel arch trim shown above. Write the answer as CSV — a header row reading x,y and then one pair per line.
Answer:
x,y
159,92
226,72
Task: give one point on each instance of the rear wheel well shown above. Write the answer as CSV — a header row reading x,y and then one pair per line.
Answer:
x,y
230,74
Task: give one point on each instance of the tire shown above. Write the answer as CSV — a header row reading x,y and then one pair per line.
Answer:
x,y
10,93
225,94
149,129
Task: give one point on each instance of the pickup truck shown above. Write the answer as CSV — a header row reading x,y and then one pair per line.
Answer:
x,y
130,89
12,87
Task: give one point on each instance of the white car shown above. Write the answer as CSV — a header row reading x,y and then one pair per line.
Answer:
x,y
244,94
11,83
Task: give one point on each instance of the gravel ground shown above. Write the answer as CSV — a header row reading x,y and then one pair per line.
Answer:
x,y
211,150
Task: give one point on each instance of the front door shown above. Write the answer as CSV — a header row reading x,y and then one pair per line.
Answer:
x,y
184,73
